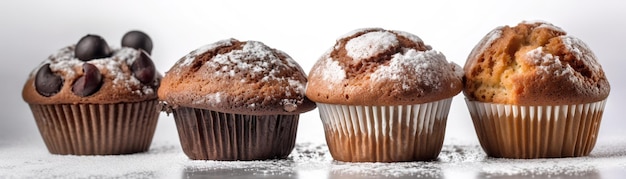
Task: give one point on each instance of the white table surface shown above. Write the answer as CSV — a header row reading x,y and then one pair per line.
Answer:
x,y
165,159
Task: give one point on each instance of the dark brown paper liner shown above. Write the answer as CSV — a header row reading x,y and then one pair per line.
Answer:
x,y
527,132
211,135
97,129
385,133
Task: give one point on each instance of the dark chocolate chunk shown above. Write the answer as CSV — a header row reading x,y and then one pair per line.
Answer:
x,y
47,83
92,47
137,40
89,83
143,68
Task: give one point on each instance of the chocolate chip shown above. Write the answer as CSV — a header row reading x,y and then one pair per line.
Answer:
x,y
137,40
47,83
143,68
92,47
89,83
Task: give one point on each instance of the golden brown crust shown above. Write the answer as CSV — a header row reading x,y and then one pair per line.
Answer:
x,y
237,77
382,67
533,64
119,83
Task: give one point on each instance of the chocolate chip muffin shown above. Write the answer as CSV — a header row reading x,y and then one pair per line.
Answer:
x,y
236,100
534,91
383,96
91,99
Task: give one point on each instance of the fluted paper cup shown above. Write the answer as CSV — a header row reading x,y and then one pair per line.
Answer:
x,y
97,129
385,133
525,132
211,135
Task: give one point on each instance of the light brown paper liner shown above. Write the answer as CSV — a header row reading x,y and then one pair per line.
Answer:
x,y
97,129
211,135
526,132
385,133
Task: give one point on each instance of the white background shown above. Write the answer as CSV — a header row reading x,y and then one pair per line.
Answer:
x,y
32,30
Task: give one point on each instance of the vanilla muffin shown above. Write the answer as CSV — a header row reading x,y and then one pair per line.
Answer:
x,y
235,100
90,99
383,96
534,91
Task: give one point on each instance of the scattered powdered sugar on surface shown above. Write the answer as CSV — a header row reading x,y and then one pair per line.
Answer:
x,y
370,44
430,66
165,159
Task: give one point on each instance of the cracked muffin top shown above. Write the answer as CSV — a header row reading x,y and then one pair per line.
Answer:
x,y
533,63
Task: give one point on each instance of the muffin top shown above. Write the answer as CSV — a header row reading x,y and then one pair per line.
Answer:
x,y
533,63
374,66
232,76
90,72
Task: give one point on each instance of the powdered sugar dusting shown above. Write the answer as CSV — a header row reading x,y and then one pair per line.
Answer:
x,y
249,62
356,31
582,52
457,70
485,42
430,67
70,67
331,71
543,24
297,85
409,36
549,64
370,44
212,99
254,59
115,70
550,26
189,58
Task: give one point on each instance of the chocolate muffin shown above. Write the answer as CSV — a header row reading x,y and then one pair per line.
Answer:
x,y
534,91
91,99
383,96
235,100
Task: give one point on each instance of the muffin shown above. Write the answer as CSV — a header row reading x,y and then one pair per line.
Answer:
x,y
235,100
383,96
91,99
533,91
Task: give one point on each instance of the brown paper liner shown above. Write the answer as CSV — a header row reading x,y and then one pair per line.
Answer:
x,y
97,129
525,132
211,135
385,133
